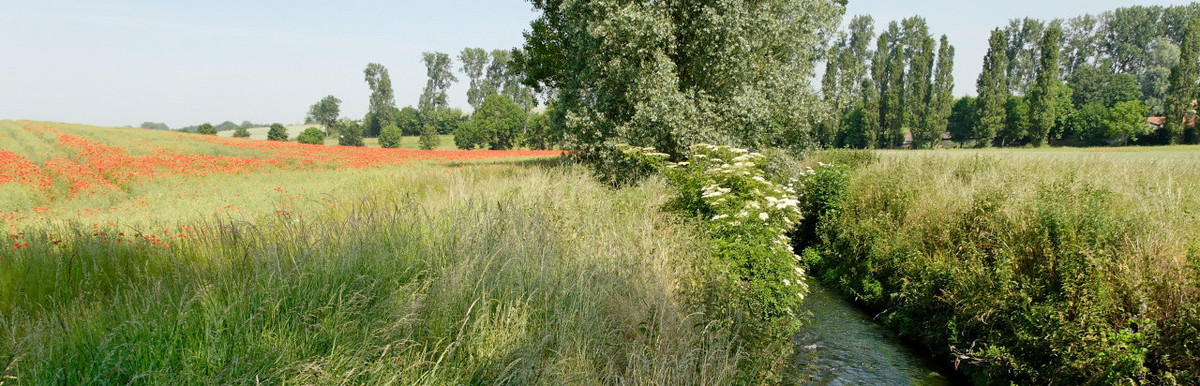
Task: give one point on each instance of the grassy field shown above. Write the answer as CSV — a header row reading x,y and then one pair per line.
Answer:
x,y
227,262
1026,265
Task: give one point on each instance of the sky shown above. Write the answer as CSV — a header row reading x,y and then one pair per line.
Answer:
x,y
124,62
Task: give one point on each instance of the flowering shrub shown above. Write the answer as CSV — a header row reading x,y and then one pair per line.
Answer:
x,y
757,283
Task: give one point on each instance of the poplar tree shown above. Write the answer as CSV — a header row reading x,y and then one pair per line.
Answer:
x,y
920,101
1182,90
943,91
439,68
893,95
993,91
1043,98
382,109
473,62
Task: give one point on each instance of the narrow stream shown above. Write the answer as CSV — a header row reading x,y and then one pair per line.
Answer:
x,y
841,345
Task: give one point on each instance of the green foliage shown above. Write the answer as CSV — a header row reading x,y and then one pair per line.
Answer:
x,y
1155,81
311,136
1126,121
538,135
429,137
409,121
993,92
1043,98
1183,89
1023,53
1091,84
206,129
1022,270
350,134
277,132
964,117
389,137
325,113
670,74
440,70
227,126
497,124
757,293
241,132
1016,122
473,62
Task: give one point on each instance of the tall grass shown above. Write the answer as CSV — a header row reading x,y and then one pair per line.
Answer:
x,y
473,276
1039,266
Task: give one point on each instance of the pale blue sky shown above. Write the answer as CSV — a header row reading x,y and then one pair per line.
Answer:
x,y
126,61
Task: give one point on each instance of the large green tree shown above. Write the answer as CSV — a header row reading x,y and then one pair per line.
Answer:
x,y
474,60
206,129
1096,85
1182,91
439,69
497,125
943,83
673,73
1022,52
1043,98
277,133
325,113
382,109
993,91
964,117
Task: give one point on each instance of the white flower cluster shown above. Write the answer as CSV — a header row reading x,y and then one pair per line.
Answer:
x,y
735,188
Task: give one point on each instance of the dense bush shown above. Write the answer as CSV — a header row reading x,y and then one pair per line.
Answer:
x,y
390,137
277,133
497,125
312,136
752,286
241,132
206,129
1026,270
350,134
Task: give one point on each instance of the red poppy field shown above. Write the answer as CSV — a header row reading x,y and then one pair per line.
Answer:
x,y
55,173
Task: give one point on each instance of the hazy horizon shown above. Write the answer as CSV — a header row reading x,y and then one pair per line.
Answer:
x,y
126,62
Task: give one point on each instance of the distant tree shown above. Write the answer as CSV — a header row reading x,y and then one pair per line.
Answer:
x,y
963,119
312,136
325,113
943,91
1043,98
409,121
993,91
1016,121
350,133
891,90
226,126
473,62
1155,81
1126,121
155,126
241,132
497,73
206,129
1182,89
447,121
390,137
429,137
247,125
845,70
1079,43
277,133
1092,84
497,124
1022,53
919,98
537,132
382,107
1085,126
439,69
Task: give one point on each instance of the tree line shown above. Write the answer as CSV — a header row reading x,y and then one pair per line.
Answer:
x,y
503,114
1085,81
